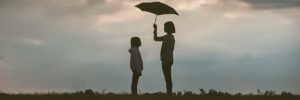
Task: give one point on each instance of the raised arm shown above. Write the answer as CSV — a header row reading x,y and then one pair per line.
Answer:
x,y
156,38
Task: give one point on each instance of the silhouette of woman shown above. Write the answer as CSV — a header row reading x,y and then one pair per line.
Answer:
x,y
166,53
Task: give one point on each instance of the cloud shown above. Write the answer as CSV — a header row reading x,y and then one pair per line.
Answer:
x,y
233,15
1,62
67,7
127,12
32,41
191,4
273,4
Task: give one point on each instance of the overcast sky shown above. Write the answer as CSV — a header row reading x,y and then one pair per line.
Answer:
x,y
228,45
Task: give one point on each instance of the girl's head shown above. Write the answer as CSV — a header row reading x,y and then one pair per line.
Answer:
x,y
169,27
135,42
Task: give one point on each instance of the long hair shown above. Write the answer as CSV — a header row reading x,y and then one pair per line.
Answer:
x,y
170,27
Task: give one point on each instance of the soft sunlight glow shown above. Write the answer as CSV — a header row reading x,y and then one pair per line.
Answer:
x,y
32,41
127,12
194,4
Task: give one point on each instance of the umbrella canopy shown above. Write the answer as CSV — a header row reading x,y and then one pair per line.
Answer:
x,y
156,8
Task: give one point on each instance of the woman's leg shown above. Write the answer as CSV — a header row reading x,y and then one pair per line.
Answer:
x,y
134,83
166,66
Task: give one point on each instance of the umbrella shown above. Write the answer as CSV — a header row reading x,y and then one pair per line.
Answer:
x,y
156,8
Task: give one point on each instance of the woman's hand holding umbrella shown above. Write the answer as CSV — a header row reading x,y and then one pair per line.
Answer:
x,y
155,28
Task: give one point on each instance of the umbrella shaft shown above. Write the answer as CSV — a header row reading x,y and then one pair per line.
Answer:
x,y
155,19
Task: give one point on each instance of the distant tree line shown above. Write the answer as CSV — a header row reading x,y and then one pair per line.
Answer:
x,y
210,92
213,92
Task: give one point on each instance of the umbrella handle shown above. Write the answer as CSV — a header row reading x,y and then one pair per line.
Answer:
x,y
155,19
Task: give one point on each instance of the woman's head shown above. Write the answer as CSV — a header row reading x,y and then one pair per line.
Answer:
x,y
135,42
169,27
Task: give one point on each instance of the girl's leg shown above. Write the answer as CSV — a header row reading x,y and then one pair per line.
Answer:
x,y
134,83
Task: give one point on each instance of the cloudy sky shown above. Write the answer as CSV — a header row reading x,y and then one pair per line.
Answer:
x,y
228,45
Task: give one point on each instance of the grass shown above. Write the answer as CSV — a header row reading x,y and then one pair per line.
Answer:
x,y
139,97
91,95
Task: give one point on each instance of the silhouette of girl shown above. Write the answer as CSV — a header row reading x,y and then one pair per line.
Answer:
x,y
166,53
136,63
